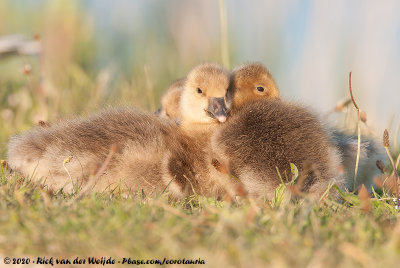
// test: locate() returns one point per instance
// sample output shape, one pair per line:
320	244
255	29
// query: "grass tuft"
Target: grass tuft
394	174
358	133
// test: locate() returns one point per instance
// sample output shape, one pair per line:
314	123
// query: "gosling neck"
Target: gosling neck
195	129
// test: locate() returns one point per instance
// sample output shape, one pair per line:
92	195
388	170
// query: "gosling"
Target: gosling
153	153
263	137
253	82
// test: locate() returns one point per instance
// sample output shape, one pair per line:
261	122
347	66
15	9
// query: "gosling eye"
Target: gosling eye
199	91
260	89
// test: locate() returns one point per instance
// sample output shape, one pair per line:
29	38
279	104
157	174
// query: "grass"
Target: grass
248	233
36	222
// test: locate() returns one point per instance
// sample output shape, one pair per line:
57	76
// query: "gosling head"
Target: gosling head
203	99
170	101
251	82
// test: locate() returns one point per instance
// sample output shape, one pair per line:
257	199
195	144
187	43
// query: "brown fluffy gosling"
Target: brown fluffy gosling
263	137
153	153
253	81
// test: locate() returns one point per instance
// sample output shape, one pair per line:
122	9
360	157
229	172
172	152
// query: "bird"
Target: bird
253	81
263	137
370	153
170	101
153	153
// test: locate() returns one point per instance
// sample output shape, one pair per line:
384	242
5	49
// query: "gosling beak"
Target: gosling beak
217	109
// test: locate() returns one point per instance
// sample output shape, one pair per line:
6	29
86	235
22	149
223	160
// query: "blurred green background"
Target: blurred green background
74	57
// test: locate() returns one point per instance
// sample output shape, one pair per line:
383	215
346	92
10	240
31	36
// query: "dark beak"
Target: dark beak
217	109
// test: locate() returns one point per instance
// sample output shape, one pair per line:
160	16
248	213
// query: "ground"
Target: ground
36	222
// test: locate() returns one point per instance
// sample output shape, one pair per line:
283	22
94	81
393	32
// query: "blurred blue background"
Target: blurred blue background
309	46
